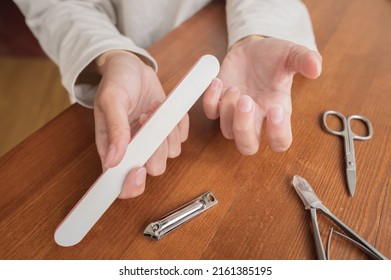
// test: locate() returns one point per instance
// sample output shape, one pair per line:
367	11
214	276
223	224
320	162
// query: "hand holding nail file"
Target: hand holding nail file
144	143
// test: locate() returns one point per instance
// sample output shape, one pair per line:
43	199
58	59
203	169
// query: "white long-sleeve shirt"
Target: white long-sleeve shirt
75	32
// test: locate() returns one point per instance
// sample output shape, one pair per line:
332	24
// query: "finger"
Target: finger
174	143
278	132
227	109
154	105
183	126
305	61
142	119
145	116
100	135
156	165
245	127
211	98
134	184
112	124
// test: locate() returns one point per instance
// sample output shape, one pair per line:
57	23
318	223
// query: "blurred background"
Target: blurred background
31	93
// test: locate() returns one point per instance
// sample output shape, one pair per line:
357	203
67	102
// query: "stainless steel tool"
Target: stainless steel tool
313	203
348	136
179	216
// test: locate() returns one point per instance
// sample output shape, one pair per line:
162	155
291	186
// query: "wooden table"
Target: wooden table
259	215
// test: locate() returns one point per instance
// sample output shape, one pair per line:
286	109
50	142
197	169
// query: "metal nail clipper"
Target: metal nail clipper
179	216
313	203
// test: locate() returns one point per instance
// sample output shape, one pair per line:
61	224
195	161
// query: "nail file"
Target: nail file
144	143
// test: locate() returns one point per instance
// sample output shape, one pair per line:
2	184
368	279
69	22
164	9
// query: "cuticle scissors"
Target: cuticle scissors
349	136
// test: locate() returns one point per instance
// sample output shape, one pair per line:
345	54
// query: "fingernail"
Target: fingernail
319	65
276	114
143	118
110	155
245	104
140	177
216	84
155	104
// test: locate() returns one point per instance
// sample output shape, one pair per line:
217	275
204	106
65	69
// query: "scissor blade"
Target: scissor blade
351	177
306	193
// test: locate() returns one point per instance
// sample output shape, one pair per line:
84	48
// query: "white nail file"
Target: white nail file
108	186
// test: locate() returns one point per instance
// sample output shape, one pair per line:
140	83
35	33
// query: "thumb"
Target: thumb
118	133
305	61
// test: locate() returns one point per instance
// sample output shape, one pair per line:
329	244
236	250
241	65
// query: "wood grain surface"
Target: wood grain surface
259	215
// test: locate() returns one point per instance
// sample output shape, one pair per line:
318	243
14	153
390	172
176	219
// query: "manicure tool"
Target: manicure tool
157	230
348	136
145	142
313	203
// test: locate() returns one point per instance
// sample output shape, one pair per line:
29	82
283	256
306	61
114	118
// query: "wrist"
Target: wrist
247	39
101	59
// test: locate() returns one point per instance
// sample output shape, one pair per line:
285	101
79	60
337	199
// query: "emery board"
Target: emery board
144	143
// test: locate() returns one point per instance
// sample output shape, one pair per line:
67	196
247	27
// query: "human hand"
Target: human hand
254	83
128	93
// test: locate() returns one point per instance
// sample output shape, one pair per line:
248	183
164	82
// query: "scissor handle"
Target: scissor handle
338	115
346	129
367	123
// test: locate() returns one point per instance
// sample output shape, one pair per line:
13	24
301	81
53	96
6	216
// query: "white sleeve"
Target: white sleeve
73	34
282	19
